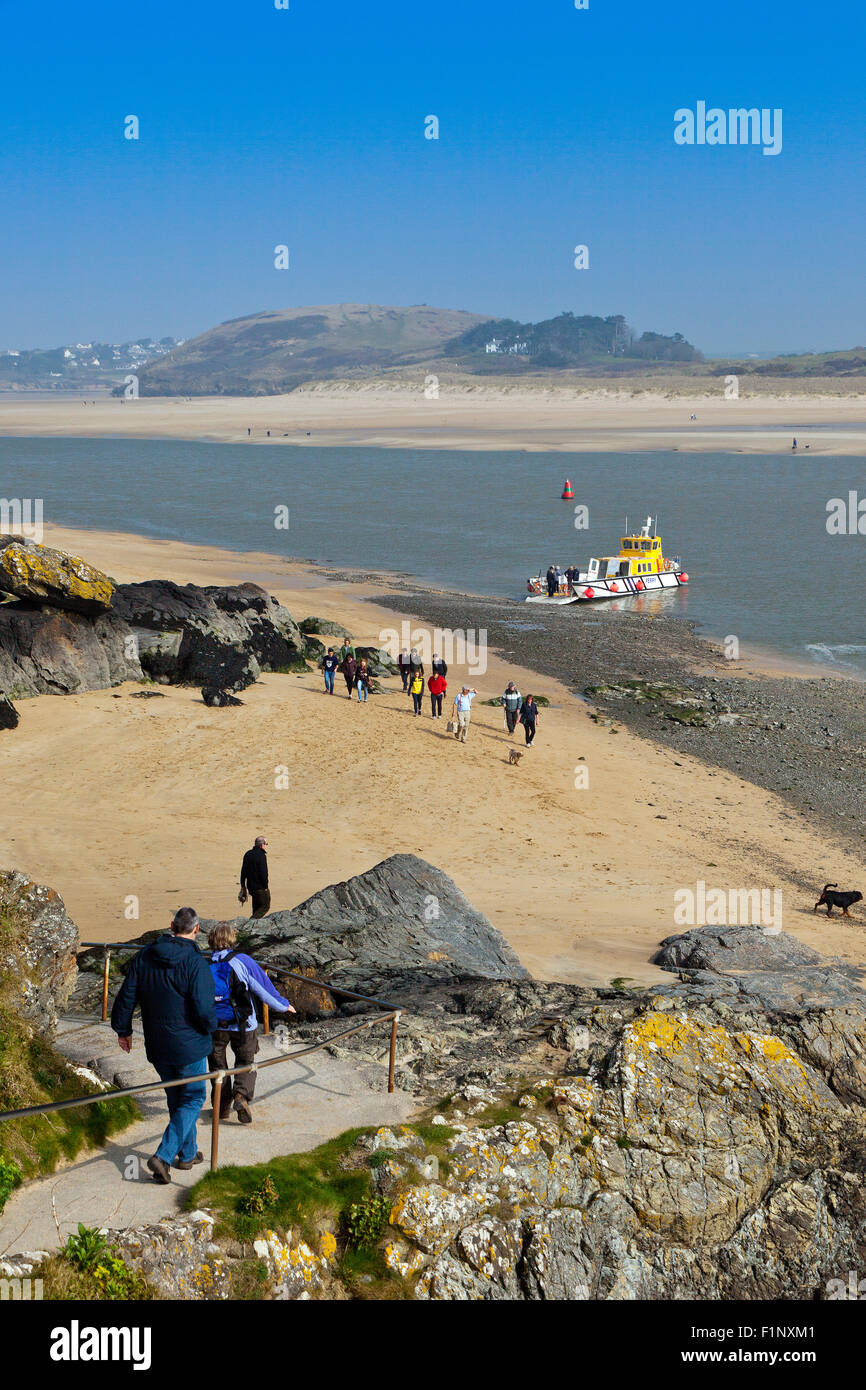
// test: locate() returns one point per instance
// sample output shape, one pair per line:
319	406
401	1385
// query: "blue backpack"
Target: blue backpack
233	1000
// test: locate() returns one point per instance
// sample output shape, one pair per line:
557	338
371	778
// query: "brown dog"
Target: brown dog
831	900
514	755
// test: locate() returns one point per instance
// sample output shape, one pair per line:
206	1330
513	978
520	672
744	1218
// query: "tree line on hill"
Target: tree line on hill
567	340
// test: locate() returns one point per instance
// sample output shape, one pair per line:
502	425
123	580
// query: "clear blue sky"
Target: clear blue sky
306	127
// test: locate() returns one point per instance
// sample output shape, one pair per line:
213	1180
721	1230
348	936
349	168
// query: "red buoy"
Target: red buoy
638	583
589	593
567	494
684	579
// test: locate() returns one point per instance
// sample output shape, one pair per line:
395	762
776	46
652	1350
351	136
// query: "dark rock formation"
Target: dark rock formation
378	660
42	575
46	651
220	637
37	944
402	922
324	627
219	697
8	714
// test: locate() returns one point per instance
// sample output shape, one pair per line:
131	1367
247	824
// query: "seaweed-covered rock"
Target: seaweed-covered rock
8	714
46	651
219	636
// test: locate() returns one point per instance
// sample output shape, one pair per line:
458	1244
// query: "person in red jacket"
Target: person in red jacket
437	686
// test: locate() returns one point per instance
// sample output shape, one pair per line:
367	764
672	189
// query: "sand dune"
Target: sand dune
108	797
472	414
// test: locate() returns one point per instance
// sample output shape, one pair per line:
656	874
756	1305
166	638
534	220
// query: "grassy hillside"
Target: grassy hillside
269	353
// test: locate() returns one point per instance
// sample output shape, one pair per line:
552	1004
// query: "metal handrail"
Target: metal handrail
392	1015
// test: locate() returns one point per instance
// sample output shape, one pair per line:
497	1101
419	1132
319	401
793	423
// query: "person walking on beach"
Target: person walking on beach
416	665
346	650
362	680
529	718
438	666
329	664
403	667
349	667
437	685
236	978
172	985
551	581
462	710
254	878
511	702
416	690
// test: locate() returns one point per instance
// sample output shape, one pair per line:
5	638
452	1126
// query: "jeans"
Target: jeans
529	730
329	682
511	719
184	1104
361	687
404	672
436	705
416	701
244	1045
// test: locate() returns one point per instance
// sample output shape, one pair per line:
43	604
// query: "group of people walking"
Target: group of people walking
518	709
356	673
192	1010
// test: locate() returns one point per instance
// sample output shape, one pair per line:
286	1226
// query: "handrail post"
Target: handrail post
266	1013
392	1053
105	967
215	1122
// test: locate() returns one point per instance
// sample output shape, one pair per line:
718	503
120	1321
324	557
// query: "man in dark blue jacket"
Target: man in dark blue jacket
171	982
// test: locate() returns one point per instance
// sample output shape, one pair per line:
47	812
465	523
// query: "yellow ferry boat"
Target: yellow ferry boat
640	567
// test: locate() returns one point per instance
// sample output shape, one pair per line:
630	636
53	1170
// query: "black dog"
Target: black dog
831	900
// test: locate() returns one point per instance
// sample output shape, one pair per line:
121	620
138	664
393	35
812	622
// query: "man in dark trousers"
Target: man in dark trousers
552	582
172	984
254	878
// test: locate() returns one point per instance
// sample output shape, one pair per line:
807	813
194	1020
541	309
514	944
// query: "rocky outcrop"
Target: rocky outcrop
47	651
9	716
177	1256
219	637
37	946
218	698
324	627
41	575
402	922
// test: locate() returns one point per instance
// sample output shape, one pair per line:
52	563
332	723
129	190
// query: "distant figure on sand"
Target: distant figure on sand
529	718
438	666
403	667
329	664
416	665
793	446
462	710
362	680
437	685
349	668
346	650
254	878
236	978
170	982
511	702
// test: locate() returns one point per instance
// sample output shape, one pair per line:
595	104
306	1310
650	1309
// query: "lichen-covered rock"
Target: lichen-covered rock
42	940
177	1256
295	1270
431	1215
42	575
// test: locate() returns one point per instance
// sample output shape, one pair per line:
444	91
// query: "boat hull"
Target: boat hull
592	590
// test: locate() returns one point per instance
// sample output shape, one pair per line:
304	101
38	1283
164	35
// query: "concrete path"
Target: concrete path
298	1106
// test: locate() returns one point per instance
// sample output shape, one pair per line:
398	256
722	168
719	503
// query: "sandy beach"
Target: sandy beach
472	414
157	799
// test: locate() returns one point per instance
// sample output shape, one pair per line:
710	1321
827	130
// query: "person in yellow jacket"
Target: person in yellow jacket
416	689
